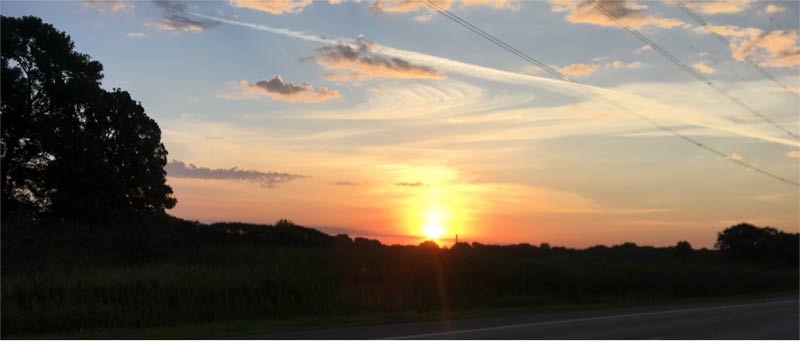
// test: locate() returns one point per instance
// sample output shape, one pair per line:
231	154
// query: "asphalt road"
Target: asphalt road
752	319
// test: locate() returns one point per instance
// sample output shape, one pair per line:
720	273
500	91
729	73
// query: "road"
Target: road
752	319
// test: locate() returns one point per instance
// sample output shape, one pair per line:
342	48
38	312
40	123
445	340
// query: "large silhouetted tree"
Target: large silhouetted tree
745	242
70	149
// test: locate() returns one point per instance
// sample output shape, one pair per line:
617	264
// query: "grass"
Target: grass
248	327
176	281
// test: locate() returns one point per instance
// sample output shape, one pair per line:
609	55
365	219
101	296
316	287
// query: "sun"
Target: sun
433	230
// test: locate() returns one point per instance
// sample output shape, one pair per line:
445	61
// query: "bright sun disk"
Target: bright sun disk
433	230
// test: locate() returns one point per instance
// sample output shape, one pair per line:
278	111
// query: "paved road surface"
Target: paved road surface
752	319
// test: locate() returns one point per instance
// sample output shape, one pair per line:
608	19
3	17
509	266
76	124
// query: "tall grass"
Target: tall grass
60	280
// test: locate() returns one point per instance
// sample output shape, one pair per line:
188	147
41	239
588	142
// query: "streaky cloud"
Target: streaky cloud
179	169
653	108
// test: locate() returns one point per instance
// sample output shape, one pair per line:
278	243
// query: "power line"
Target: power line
779	26
592	92
691	70
727	43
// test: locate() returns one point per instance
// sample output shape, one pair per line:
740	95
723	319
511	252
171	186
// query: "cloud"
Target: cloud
627	12
136	35
409	184
704	68
362	62
272	6
406	6
793	89
288	92
178	169
345	183
795	154
775	49
771	49
105	6
775	9
176	18
496	4
735	156
618	64
579	70
652	102
719	6
354	78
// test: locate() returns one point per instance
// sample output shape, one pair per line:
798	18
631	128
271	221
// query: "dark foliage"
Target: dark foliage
70	149
745	242
154	270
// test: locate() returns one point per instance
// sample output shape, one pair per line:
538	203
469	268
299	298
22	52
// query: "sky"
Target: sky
386	119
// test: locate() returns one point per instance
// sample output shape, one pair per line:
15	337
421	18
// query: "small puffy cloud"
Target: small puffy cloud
735	156
627	12
643	49
176	18
360	58
795	154
272	6
579	70
409	184
179	169
288	92
106	6
618	64
704	68
719	6
775	9
136	35
772	49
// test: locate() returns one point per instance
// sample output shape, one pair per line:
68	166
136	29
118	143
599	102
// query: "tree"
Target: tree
745	242
70	149
683	250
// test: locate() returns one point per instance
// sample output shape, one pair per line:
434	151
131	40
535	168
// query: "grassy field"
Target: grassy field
162	276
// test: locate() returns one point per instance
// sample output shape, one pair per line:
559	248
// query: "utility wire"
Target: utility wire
763	7
446	13
727	43
691	70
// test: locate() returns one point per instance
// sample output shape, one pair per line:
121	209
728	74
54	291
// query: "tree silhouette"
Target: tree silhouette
745	242
70	149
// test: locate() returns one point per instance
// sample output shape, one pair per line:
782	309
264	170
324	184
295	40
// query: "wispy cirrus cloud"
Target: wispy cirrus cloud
417	6
626	11
284	91
106	6
655	106
272	6
409	184
179	169
360	62
175	17
719	6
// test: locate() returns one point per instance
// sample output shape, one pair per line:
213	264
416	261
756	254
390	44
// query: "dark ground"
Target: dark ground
751	319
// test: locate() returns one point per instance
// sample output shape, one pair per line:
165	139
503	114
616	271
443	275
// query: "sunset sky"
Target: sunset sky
383	118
